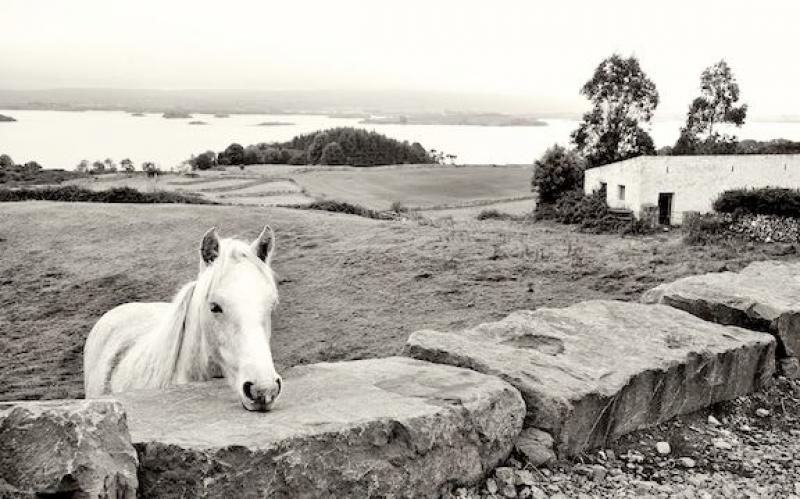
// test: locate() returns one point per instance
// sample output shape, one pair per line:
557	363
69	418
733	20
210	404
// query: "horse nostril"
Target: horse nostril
278	382
246	389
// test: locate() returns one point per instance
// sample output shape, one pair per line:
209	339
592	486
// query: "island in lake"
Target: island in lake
4	118
468	119
275	123
198	123
175	115
222	115
137	115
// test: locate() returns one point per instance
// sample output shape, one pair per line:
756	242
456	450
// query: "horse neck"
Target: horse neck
177	351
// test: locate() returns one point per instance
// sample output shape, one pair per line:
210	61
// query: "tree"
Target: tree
6	163
557	172
98	167
332	154
716	104
623	97
232	155
204	161
83	166
150	168
314	151
31	167
127	165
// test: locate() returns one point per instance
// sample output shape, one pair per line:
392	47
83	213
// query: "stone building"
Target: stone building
663	188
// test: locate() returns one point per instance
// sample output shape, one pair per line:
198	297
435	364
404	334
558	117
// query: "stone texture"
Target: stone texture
764	296
76	448
536	445
393	427
599	369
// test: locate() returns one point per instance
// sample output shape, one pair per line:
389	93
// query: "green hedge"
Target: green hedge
117	195
764	201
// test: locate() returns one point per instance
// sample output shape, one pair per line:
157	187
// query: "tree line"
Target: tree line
335	146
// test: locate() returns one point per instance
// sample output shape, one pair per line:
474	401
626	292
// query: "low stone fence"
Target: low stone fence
551	383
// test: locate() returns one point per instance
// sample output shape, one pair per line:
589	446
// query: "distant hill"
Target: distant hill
4	118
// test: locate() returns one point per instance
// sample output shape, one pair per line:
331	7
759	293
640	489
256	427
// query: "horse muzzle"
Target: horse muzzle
260	397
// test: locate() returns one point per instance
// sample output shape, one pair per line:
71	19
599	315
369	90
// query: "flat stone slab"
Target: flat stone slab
66	448
594	371
764	296
394	427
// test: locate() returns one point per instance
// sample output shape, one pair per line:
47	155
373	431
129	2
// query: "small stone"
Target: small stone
612	456
537	493
504	477
663	448
762	413
790	367
491	486
525	477
598	473
713	421
687	462
745	428
722	444
509	491
536	445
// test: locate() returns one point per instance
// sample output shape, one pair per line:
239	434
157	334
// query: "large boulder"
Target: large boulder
66	448
394	427
764	296
599	369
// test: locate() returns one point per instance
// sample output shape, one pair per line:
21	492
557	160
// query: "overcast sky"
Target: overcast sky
528	48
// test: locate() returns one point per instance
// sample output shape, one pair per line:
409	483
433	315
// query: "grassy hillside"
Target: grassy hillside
350	287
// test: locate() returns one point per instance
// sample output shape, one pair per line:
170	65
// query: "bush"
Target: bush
702	229
116	195
556	173
344	207
593	215
764	201
493	214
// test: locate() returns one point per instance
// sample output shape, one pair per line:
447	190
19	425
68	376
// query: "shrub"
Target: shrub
701	229
344	207
493	214
593	215
117	195
764	201
557	172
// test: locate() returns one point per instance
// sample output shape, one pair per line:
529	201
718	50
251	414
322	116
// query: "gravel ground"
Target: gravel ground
746	448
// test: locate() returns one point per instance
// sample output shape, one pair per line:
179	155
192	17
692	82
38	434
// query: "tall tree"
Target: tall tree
623	98
719	93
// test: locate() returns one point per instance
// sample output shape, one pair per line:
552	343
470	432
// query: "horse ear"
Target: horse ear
264	245
209	249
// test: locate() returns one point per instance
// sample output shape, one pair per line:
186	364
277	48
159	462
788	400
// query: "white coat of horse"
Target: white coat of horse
218	324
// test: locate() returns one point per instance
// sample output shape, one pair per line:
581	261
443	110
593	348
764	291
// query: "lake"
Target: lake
61	139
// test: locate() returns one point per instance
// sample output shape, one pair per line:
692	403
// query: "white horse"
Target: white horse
219	324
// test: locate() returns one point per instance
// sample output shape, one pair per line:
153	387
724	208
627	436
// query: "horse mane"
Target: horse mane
177	347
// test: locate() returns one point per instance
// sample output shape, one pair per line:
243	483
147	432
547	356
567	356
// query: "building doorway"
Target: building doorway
665	208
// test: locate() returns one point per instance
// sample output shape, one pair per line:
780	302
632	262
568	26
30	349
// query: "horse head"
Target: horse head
235	314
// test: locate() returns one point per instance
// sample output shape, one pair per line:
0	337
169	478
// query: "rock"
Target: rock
687	462
764	296
762	413
594	371
722	444
66	448
713	421
537	493
663	448
381	427
504	477
536	446
789	367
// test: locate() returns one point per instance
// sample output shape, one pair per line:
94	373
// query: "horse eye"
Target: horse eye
215	308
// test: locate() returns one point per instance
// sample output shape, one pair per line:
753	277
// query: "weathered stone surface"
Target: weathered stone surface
536	445
77	448
599	369
393	427
764	296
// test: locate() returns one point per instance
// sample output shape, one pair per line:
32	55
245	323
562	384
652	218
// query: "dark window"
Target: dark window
621	190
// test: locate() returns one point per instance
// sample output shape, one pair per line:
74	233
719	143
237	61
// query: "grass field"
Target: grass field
416	186
350	287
